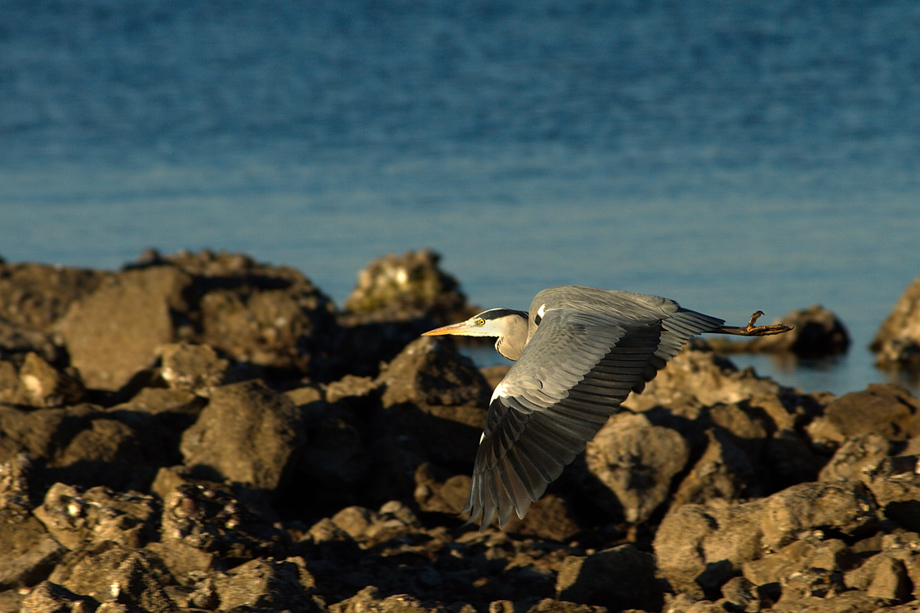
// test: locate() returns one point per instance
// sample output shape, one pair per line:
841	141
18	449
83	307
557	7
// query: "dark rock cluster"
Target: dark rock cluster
201	432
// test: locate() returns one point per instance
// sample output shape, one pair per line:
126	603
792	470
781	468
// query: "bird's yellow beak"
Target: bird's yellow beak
459	328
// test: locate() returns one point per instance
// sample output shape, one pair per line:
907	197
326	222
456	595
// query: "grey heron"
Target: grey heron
577	354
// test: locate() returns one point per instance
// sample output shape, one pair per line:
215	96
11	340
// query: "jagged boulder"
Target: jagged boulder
897	342
248	434
114	332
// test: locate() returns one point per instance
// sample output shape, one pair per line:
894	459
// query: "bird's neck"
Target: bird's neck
512	343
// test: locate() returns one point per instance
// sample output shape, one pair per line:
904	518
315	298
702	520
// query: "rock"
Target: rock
85	445
338	458
102	450
28	552
16	488
618	578
369	527
37	295
354	521
276	328
739	594
810	583
163	414
267	584
133	578
846	602
434	495
195	368
854	454
636	461
36	383
791	459
803	569
395	300
553	517
816	332
430	377
845	507
33	433
889	579
774	568
723	472
213	521
551	605
432	409
271	317
264	316
412	282
696	378
248	434
50	597
9	383
370	599
897	342
895	485
19	340
114	332
351	387
885	409
30	567
43	385
698	548
76	518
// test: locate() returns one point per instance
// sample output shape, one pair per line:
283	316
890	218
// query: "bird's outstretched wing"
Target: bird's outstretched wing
574	373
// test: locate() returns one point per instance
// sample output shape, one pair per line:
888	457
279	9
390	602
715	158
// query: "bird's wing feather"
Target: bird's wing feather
573	374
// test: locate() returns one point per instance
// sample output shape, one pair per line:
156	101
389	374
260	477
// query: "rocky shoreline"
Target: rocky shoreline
201	432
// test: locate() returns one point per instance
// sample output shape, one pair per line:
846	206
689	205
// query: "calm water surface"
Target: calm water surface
733	156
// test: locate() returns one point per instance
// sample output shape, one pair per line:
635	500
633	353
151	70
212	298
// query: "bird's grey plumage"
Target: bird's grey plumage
580	354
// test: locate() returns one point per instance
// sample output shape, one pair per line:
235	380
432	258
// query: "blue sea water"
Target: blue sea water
733	156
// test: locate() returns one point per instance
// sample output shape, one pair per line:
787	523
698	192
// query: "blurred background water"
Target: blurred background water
733	156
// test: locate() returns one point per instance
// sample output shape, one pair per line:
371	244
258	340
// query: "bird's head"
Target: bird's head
494	322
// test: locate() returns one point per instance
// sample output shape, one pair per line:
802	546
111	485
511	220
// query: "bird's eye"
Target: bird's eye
480	321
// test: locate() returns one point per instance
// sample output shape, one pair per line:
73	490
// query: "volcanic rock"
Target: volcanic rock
895	485
618	578
53	598
114	332
636	461
413	283
112	574
76	518
888	410
843	507
196	368
19	340
29	553
698	549
247	433
37	295
897	342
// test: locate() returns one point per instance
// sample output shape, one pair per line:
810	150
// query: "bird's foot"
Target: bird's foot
753	330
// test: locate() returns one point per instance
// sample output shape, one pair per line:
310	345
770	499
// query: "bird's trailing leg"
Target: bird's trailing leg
752	330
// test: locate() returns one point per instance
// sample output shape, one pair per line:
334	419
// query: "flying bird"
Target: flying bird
577	354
